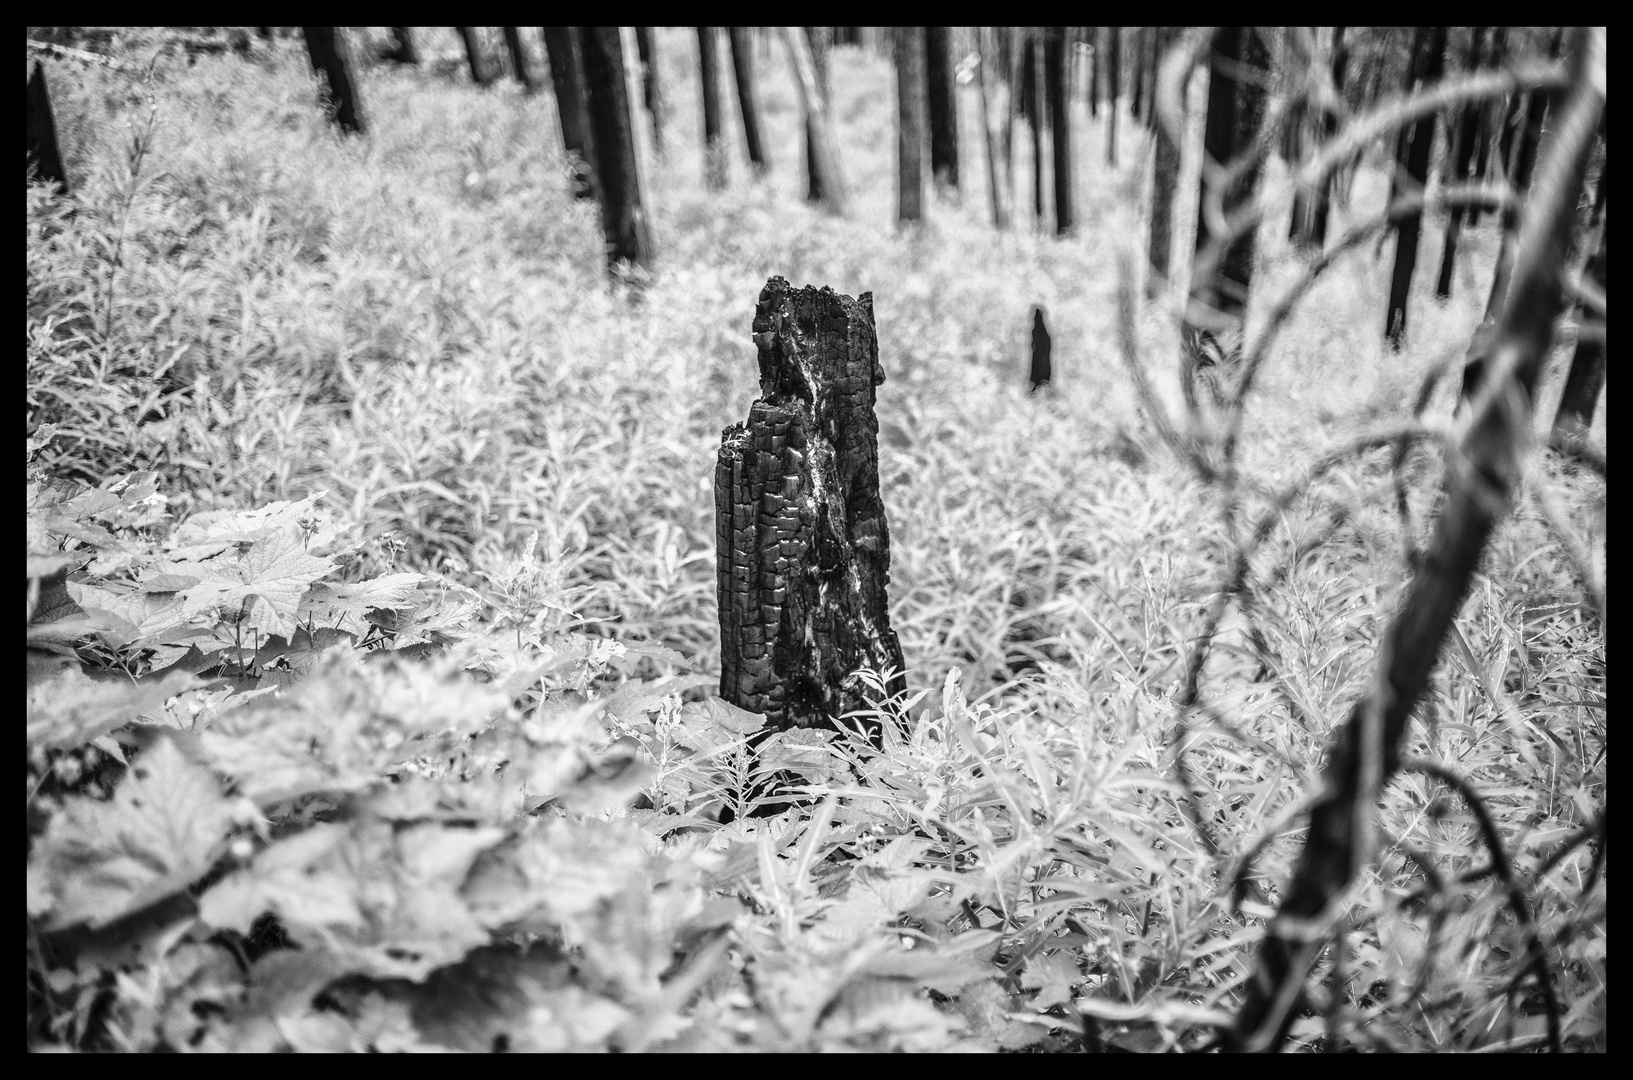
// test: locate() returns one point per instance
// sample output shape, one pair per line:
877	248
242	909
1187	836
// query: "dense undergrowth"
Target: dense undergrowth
371	585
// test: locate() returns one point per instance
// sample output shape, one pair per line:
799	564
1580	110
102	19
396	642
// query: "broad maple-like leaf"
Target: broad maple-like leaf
345	606
69	708
158	834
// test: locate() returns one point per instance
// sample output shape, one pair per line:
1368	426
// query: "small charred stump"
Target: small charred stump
803	546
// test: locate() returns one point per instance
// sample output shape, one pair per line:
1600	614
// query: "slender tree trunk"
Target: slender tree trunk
816	41
1136	78
1235	112
331	57
1094	70
518	59
943	106
1468	128
1428	51
1298	122
742	64
1522	164
716	160
1038	99
1323	201
401	50
651	85
1061	114
44	155
1485	151
1013	58
1114	63
1164	183
994	114
480	74
623	217
562	47
909	124
822	149
1586	379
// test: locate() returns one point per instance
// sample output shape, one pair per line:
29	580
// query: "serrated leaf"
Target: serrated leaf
262	587
217	527
68	708
345	606
157	835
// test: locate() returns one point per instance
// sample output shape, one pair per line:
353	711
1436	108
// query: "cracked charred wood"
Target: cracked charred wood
803	555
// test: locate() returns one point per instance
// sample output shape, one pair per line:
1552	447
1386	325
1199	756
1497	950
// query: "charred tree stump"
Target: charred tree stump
803	555
44	158
1042	368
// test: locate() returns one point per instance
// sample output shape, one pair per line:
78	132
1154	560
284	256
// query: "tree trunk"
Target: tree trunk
651	85
1235	112
1061	114
803	546
822	148
1094	69
473	53
1297	123
1136	77
742	64
909	124
943	105
1114	63
1524	161
816	41
1468	129
518	59
401	50
1033	105
1323	200
1042	348
331	57
994	115
1482	474
563	48
1489	112
44	156
1586	378
1429	47
1164	183
606	94
716	163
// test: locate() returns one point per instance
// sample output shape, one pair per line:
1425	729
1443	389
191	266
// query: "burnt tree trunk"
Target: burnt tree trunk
651	84
1430	47
715	160
995	117
1521	164
1489	113
1094	69
1114	63
518	58
1032	108
401	50
742	66
1136	77
1042	348
480	74
943	105
816	42
1468	133
561	45
1061	115
618	180
909	124
803	547
1586	378
1323	198
326	45
44	156
1164	184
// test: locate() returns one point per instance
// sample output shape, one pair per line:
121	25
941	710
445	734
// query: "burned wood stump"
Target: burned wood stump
803	554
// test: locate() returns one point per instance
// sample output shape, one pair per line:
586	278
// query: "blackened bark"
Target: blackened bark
623	218
1485	151
1468	133
518	58
942	97
742	65
480	74
909	124
1032	108
44	156
716	162
1042	348
1235	111
401	50
1164	183
803	546
825	181
1522	164
1429	49
651	84
561	46
1136	77
1095	68
1586	378
331	58
1061	115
